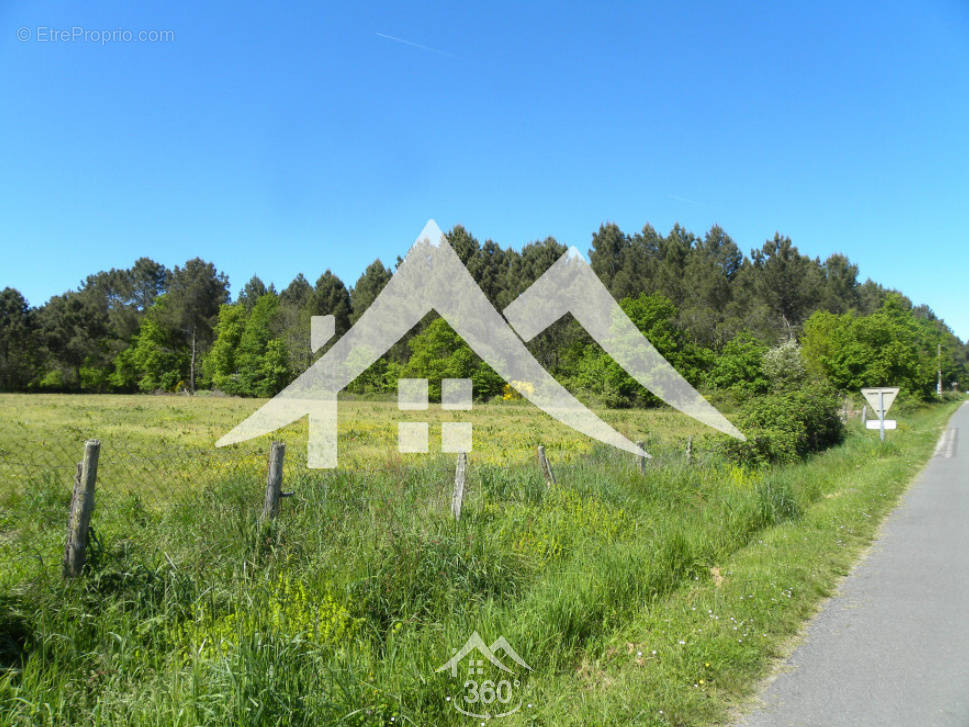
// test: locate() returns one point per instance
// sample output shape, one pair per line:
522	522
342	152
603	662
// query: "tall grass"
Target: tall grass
340	611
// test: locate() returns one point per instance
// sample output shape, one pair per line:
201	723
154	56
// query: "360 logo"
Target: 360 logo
491	688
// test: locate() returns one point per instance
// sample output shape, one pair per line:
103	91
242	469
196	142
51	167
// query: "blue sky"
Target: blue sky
278	140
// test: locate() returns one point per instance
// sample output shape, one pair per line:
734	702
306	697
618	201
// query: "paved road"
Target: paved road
892	647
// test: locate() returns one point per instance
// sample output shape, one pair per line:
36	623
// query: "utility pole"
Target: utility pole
938	386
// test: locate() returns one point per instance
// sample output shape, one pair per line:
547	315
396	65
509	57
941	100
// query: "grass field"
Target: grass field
50	430
654	599
161	446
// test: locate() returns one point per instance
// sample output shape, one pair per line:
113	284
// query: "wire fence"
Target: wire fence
162	470
132	474
156	473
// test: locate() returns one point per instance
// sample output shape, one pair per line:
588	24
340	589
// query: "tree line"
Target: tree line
722	318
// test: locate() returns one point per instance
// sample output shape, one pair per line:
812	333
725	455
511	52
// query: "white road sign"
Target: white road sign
879	397
877	424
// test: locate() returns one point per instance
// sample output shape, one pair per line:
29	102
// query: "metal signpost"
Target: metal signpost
881	400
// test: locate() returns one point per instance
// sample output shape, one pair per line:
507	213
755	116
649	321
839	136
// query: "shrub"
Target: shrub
783	365
53	381
739	367
597	373
787	426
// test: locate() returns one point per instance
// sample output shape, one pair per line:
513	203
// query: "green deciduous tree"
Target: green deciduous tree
655	316
886	348
219	364
248	358
262	363
157	359
738	368
439	353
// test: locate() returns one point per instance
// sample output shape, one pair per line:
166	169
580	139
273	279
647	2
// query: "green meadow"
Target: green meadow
656	598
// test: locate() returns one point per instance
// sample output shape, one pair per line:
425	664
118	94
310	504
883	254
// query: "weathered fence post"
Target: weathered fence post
546	467
457	499
641	458
274	481
689	450
82	503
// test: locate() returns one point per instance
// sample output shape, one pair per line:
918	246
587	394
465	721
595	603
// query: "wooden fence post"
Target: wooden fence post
457	499
689	450
82	504
274	481
546	467
641	458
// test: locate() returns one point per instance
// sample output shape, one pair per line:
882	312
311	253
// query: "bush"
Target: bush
53	381
739	367
783	365
598	374
787	426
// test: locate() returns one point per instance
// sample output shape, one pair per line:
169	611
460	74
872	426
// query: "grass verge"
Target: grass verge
698	656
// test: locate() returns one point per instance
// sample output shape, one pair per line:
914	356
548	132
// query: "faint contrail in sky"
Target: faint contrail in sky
415	45
684	199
